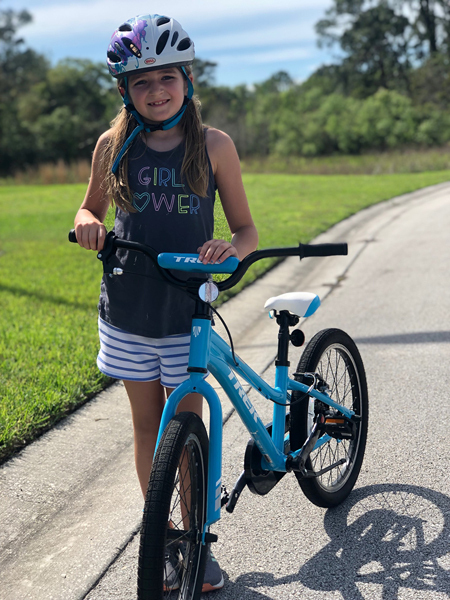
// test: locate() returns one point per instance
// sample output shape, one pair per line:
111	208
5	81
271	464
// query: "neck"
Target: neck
163	140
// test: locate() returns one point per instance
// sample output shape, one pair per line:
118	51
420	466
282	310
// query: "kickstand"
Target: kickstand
236	492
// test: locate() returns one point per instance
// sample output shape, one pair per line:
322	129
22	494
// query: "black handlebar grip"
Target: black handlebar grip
325	249
72	236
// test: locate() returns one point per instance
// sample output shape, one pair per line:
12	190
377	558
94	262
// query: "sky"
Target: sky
250	40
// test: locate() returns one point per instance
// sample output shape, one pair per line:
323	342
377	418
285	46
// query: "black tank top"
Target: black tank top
169	217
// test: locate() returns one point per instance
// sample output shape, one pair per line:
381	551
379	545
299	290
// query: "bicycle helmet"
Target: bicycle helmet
147	43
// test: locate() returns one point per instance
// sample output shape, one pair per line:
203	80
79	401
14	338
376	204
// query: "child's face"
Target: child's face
157	95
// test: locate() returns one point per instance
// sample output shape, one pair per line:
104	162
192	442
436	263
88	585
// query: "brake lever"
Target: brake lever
108	250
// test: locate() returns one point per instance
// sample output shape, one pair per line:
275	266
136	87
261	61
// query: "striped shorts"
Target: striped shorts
133	357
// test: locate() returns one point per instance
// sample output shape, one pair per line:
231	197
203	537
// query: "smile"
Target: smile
159	103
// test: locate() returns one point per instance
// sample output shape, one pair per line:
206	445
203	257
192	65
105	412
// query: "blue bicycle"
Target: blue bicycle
318	431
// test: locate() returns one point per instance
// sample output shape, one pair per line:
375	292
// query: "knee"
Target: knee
145	431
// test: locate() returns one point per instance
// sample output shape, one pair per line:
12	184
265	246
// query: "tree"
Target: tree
77	99
384	40
431	22
204	76
19	69
375	42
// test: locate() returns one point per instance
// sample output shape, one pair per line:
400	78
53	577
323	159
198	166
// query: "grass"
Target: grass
49	288
374	163
407	160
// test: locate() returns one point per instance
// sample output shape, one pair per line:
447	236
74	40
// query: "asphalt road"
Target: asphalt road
69	504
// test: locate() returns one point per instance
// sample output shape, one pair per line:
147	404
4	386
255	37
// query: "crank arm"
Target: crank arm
310	474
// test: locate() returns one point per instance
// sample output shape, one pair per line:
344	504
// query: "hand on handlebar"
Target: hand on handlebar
175	261
216	251
91	234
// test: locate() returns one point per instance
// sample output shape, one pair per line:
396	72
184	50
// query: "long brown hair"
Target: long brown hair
195	167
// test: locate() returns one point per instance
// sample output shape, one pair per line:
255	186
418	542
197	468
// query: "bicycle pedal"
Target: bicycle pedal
339	428
225	497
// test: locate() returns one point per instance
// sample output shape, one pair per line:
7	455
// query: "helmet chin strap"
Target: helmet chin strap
164	125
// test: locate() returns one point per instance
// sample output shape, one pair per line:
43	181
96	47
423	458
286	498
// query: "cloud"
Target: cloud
101	17
267	57
295	31
249	33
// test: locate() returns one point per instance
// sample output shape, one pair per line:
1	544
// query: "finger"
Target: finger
101	238
93	238
227	253
214	250
221	252
205	251
82	237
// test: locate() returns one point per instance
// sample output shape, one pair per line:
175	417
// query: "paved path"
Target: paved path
69	503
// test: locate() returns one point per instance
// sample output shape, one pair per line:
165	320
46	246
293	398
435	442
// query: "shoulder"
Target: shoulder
105	138
220	147
102	145
218	141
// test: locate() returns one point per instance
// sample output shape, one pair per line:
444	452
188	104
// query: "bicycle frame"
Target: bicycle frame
209	351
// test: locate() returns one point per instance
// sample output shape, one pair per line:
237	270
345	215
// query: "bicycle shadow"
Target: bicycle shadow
384	539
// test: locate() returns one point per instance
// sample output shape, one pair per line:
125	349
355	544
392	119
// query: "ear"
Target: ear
121	91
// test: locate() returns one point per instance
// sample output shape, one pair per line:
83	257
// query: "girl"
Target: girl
160	168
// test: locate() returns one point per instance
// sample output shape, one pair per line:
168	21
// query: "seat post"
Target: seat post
285	319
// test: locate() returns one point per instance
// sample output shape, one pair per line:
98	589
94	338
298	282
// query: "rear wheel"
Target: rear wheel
171	555
333	355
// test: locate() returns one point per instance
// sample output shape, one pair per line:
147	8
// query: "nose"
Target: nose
154	87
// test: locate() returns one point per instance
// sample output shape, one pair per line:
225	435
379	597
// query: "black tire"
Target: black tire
334	356
181	461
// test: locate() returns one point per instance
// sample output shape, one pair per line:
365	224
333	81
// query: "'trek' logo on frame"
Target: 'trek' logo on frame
187	259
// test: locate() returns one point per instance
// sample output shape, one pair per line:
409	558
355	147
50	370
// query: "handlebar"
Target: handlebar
190	262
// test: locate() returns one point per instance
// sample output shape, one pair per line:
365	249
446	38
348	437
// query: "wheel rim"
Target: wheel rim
337	367
186	514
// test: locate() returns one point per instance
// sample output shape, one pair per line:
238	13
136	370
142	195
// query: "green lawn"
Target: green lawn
49	288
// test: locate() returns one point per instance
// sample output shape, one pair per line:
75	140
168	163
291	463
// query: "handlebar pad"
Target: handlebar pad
190	262
72	236
324	250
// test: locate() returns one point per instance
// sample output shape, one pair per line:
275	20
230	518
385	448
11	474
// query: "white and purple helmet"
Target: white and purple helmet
148	42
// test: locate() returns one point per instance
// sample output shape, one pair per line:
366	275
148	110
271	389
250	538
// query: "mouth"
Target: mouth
159	103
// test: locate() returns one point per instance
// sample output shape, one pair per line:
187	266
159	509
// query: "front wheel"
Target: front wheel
333	355
171	554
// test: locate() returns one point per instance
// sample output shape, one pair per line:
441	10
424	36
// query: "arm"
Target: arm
227	172
89	227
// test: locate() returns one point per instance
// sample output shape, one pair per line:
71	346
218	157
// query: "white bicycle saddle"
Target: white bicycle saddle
302	304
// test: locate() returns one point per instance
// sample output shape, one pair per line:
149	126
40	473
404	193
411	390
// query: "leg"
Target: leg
190	403
147	400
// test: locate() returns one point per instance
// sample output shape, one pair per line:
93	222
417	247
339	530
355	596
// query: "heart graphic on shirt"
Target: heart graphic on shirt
140	201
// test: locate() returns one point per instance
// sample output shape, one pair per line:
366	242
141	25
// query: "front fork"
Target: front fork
198	359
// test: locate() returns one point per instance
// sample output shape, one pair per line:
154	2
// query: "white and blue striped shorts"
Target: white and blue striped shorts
133	357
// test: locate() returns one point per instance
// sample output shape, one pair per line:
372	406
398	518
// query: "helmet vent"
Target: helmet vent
119	48
162	41
131	47
184	44
162	21
113	57
125	27
174	39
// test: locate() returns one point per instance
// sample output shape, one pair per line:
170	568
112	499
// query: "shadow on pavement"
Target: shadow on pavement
384	539
418	337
